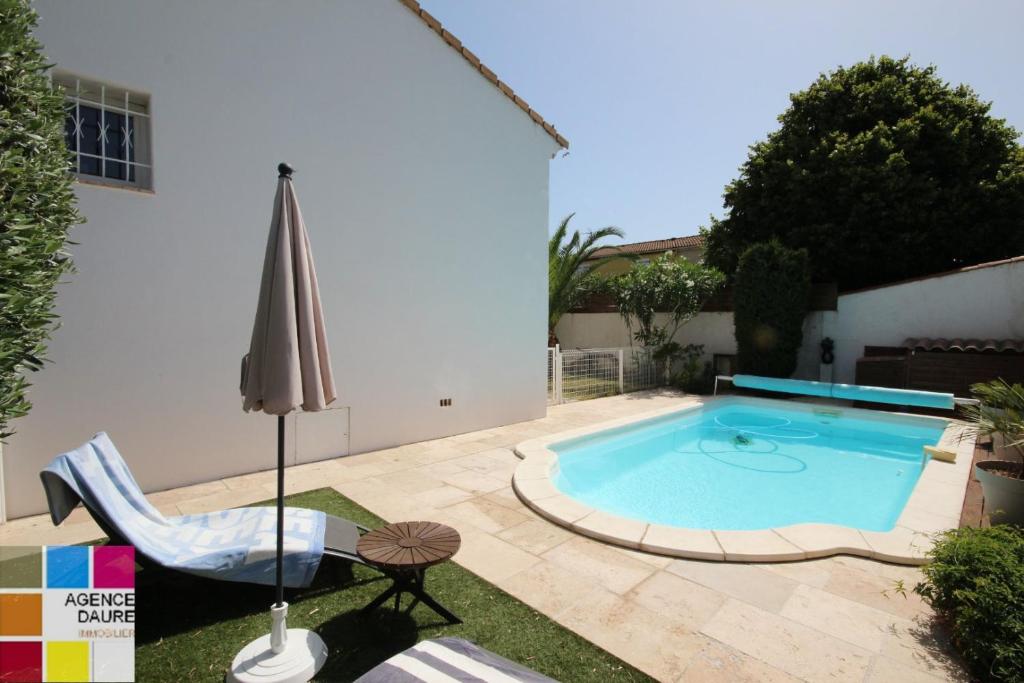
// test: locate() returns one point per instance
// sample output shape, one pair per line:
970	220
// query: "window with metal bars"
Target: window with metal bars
107	131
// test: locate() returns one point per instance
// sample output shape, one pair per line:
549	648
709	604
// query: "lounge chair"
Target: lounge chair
232	545
449	659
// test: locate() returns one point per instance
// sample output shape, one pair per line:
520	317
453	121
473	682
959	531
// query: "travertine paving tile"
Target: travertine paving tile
757	546
919	644
222	501
676	599
615	571
634	633
486	515
653	559
536	535
186	493
549	588
745	582
719	663
509	499
606	527
443	496
851	621
787	645
811	572
898	544
242	481
492	558
885	670
414	480
876	590
664	539
820	540
475	482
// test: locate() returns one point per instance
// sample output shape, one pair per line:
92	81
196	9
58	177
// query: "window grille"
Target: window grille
107	131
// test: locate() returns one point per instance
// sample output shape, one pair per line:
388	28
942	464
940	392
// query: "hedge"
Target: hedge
772	285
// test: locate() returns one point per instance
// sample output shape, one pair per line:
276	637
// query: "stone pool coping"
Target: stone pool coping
934	505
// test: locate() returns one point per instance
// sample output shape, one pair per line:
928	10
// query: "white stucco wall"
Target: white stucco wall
715	331
425	191
607	330
982	303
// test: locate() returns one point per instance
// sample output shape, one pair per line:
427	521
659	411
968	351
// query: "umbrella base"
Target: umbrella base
300	654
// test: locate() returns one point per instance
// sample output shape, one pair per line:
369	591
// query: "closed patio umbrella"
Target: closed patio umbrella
288	368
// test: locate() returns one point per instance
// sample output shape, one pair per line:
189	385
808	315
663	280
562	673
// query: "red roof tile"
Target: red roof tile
983	345
652	246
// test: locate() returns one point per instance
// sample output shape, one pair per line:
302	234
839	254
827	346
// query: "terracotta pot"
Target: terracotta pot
1004	497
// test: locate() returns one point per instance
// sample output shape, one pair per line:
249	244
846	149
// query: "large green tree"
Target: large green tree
570	282
37	205
882	171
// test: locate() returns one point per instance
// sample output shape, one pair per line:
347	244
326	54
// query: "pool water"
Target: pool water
752	464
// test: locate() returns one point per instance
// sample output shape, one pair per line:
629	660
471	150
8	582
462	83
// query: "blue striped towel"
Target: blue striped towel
231	545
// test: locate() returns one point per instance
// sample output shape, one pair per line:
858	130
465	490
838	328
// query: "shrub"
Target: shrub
976	581
37	205
673	286
668	284
772	285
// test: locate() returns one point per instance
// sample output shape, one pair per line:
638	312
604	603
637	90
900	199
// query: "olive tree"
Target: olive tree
37	205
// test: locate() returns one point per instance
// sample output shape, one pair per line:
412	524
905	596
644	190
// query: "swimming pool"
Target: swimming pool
742	464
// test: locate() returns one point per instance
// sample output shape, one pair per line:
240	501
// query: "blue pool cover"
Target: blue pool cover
852	392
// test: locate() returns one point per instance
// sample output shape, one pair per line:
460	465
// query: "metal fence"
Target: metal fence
581	374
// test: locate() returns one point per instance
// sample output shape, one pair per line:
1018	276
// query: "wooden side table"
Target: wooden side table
404	551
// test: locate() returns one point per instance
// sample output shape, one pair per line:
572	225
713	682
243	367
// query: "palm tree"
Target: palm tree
568	281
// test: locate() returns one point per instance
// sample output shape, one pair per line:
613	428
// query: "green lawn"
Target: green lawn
189	628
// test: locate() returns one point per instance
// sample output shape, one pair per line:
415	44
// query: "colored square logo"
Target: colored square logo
21	661
113	662
67	566
21	614
67	661
113	566
21	566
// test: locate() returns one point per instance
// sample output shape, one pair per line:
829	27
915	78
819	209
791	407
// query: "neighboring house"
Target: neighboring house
411	160
691	248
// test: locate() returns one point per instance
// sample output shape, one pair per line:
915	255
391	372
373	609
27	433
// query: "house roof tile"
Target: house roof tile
980	345
651	247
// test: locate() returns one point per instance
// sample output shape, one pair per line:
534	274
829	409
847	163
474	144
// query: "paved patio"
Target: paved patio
837	619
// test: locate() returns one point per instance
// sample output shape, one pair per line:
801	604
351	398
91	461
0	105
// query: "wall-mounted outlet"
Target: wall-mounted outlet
446	402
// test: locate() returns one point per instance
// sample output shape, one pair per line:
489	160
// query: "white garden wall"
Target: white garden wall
715	331
425	191
982	302
985	301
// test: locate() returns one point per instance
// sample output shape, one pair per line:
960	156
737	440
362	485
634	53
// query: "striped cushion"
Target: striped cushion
449	660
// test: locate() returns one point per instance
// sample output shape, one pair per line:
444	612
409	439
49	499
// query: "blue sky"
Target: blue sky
660	99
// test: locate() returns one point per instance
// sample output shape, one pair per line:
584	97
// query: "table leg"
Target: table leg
381	599
417	590
411	583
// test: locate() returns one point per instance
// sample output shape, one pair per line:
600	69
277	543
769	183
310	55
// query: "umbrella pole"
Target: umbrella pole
280	511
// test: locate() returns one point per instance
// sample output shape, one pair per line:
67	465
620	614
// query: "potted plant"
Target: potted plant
1000	414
